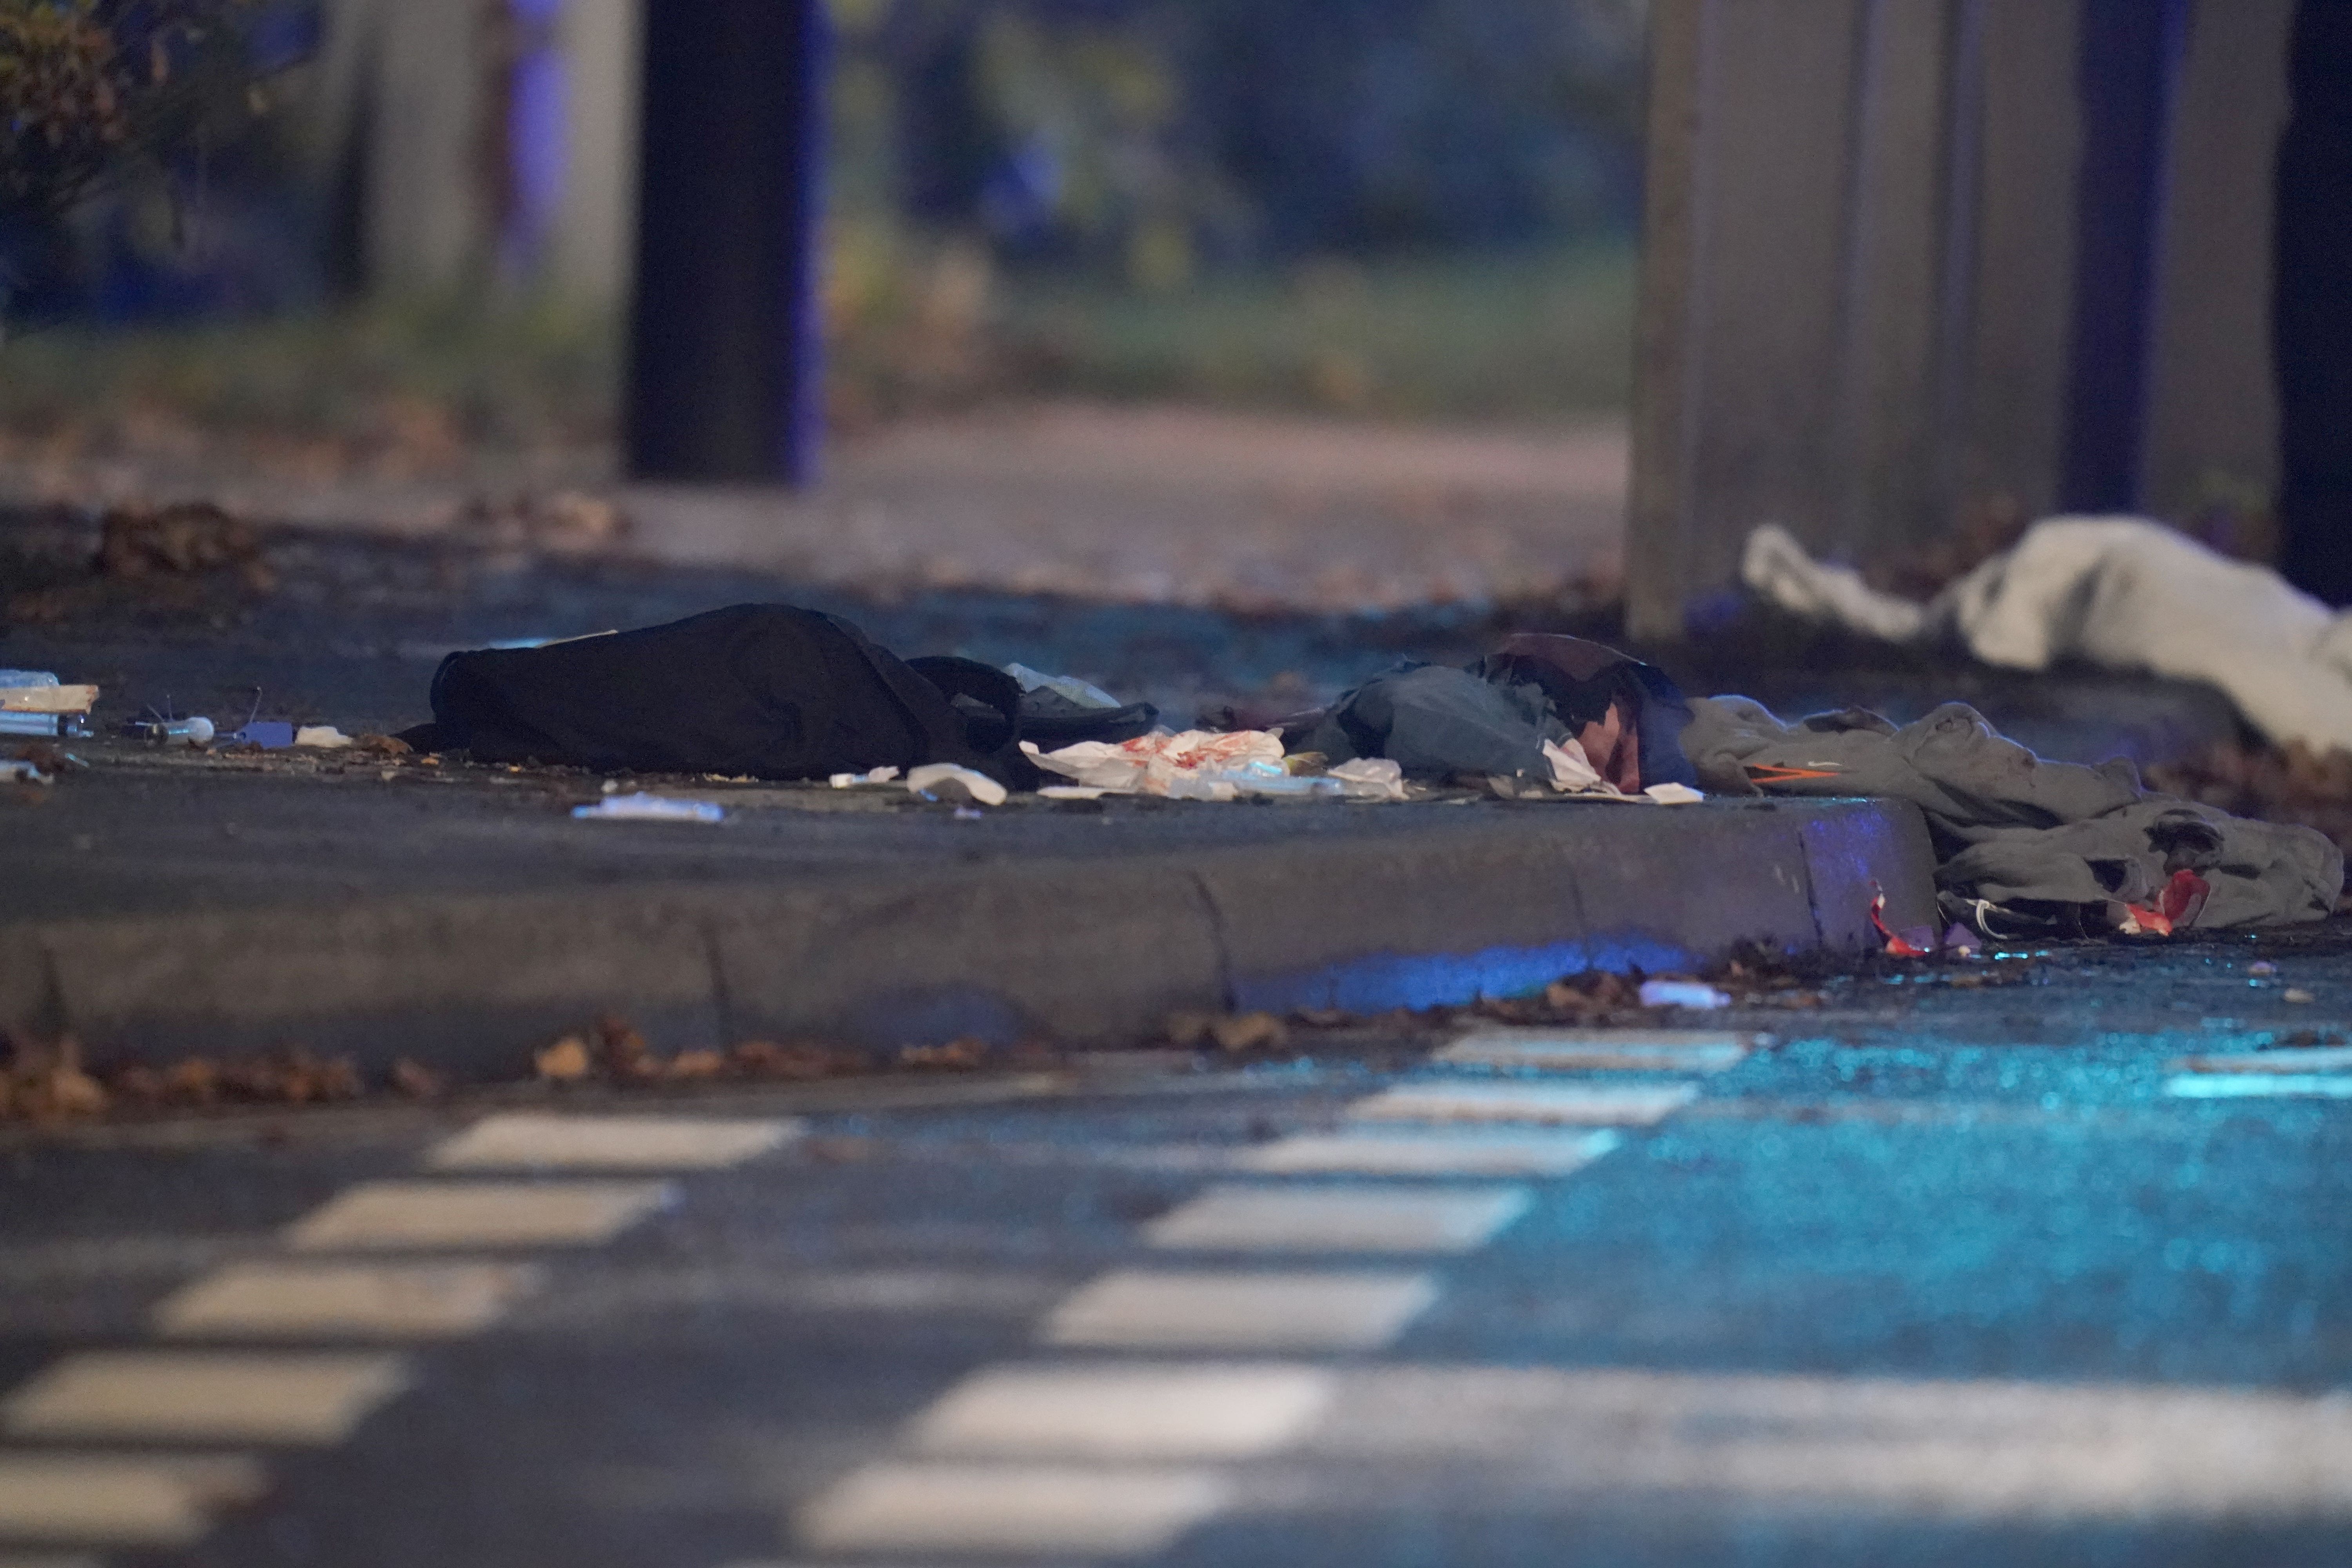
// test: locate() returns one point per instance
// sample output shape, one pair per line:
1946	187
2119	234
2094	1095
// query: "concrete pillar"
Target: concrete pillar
1742	288
2010	406
2213	430
1868	310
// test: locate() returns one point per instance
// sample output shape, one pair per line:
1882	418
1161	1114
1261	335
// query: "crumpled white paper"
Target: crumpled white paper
1370	778
940	781
1572	772
1196	765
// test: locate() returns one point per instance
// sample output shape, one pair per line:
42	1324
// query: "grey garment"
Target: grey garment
1433	720
2012	829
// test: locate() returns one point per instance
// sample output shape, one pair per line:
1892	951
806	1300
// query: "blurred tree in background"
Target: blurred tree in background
1395	208
99	95
1159	137
1401	206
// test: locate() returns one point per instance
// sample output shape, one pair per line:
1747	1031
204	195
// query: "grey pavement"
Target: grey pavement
1992	1264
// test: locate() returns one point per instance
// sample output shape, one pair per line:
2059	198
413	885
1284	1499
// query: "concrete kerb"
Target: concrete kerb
1082	949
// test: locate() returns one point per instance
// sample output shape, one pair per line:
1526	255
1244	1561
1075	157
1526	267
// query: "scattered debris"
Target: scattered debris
34	702
2296	994
1233	1032
565	1061
947	782
960	1054
871	777
47	1083
1369	778
324	737
196	732
1682	994
417	1082
2181	900
643	807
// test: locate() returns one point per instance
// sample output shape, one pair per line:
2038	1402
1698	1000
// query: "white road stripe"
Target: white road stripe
304	1397
1339	1219
610	1143
389	1216
2293	1059
1294	1311
356	1301
1600	1050
1429	1152
1028	1509
1760	1443
1565	1104
2260	1085
1125	1411
118	1499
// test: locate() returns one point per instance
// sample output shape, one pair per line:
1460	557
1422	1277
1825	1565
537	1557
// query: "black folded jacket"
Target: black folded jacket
765	691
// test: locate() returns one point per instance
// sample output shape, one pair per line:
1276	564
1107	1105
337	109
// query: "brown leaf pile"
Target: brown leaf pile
48	1082
614	1051
1233	1032
138	544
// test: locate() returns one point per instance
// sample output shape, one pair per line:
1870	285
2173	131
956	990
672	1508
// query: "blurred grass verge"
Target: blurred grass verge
422	389
410	390
1528	337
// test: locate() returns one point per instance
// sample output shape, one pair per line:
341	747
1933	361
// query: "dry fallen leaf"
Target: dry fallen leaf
1250	1031
1190	1029
963	1053
415	1080
564	1061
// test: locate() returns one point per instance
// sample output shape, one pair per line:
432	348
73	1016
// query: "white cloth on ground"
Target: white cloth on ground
2123	593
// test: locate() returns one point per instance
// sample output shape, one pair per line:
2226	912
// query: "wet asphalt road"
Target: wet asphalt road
1983	1273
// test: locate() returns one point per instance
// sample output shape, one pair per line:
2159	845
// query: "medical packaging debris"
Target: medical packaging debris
643	807
34	702
1069	688
871	777
18	771
946	781
322	736
1195	765
196	732
1682	994
269	734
